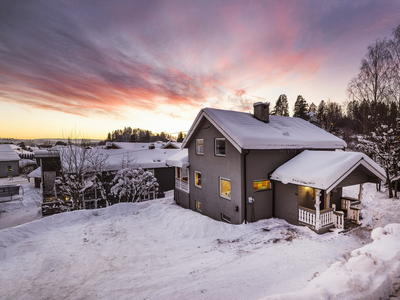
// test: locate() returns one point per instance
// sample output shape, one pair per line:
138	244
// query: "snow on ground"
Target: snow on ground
18	212
158	250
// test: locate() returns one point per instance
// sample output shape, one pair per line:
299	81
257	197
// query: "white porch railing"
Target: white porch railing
182	185
338	219
309	217
353	207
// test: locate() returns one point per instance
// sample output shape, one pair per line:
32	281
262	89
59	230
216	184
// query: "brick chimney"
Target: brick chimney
261	111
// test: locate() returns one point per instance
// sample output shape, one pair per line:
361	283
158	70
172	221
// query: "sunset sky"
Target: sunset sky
97	66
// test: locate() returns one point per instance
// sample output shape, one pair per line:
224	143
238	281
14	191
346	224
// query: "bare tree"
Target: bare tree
81	168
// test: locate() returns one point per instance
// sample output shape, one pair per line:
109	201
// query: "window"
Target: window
262	185
149	196
178	173
9	168
225	188
185	175
150	170
200	146
199	206
197	179
220	147
225	218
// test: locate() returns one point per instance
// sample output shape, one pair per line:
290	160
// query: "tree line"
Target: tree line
138	135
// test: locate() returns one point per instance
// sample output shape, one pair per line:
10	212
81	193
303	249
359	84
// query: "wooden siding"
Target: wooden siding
336	198
286	202
359	175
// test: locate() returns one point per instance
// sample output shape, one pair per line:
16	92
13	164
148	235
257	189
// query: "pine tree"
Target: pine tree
301	108
281	107
180	137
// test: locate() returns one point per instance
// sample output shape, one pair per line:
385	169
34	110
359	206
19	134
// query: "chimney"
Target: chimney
261	111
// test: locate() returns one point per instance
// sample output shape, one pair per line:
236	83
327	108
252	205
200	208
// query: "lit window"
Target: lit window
197	179
260	185
9	168
199	206
220	147
200	146
225	188
185	175
225	218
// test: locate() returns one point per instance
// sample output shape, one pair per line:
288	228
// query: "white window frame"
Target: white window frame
195	181
201	205
215	146
150	170
220	188
147	198
197	147
185	173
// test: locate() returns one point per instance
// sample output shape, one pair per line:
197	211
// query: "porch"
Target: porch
332	217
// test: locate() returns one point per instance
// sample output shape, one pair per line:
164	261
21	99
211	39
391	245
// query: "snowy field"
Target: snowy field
157	250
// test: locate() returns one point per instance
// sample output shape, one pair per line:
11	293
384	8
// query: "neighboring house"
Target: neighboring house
233	169
9	161
152	160
10	181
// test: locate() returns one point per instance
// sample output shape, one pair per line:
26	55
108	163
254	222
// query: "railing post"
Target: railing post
317	211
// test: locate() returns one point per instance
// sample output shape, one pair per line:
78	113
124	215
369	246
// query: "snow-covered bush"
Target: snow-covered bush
130	184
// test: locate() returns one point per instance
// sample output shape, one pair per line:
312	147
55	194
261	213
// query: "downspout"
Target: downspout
245	189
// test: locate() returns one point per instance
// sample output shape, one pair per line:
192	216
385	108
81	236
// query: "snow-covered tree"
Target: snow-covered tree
383	146
129	185
281	107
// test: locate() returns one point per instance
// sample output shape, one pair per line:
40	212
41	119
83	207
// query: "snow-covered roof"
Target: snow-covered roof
146	158
7	153
24	162
246	132
136	146
324	169
37	173
112	159
180	159
176	145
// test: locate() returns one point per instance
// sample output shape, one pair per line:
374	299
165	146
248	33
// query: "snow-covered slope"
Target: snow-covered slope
157	250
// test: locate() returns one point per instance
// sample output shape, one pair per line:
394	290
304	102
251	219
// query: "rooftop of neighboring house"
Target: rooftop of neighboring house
141	146
145	158
245	131
7	153
112	159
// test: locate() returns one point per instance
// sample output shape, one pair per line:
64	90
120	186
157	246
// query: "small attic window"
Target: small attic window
200	146
220	147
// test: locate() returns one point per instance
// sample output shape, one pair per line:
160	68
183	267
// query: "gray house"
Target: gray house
232	170
9	162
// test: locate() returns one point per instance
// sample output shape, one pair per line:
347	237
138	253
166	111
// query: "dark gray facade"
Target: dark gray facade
182	198
212	169
259	165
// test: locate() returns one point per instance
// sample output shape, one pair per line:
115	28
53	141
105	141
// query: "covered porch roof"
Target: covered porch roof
326	170
180	159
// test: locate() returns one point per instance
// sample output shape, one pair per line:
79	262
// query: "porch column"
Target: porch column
361	190
317	211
